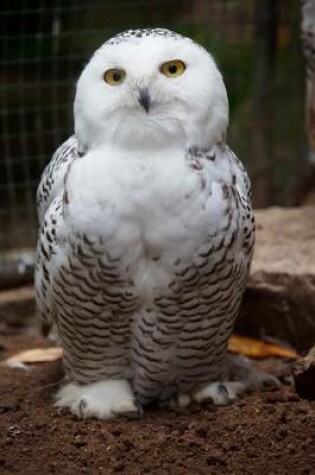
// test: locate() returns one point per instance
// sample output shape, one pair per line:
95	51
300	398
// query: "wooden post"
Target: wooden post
308	42
306	187
266	20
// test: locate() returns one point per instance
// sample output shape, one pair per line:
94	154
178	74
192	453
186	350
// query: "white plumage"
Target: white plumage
146	230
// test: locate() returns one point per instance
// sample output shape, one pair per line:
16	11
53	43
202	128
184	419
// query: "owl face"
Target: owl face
144	88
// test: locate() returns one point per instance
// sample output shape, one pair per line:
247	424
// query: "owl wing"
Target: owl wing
51	183
242	178
49	208
47	246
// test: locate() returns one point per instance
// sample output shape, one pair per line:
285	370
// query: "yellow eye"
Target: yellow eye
173	69
114	77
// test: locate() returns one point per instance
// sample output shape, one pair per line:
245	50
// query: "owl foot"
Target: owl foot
242	378
241	370
102	400
220	393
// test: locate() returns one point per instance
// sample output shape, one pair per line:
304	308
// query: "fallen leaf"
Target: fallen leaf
12	364
36	355
258	348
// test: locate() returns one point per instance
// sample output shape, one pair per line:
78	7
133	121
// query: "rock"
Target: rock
17	306
280	298
17	269
304	375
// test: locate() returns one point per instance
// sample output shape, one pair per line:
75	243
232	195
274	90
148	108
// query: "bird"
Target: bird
146	231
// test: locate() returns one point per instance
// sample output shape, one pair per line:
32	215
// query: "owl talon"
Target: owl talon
222	389
140	408
82	408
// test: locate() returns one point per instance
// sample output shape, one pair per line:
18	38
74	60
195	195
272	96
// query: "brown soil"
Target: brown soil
267	433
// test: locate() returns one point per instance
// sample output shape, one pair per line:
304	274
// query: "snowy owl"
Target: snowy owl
146	231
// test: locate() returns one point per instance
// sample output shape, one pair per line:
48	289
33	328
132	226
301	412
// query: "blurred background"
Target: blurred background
45	44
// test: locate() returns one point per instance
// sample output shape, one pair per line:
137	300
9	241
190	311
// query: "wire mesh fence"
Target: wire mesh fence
45	44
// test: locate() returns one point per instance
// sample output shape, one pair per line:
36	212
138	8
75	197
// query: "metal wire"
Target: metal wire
45	43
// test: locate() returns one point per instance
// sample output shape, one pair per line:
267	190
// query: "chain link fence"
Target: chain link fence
45	44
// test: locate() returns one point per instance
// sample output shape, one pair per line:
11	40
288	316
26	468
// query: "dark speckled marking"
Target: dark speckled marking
143	33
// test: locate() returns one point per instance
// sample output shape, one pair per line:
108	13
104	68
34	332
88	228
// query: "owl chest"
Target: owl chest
155	204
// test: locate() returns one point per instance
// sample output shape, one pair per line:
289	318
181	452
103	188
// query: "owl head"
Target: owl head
147	88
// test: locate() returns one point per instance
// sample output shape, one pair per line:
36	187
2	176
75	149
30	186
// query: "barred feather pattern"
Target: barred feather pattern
173	338
51	183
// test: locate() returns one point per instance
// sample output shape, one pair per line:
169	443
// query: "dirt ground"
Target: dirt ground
267	433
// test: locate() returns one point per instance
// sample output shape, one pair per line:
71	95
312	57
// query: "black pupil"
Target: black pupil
172	68
116	76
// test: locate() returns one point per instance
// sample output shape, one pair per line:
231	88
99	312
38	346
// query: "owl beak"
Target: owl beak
144	98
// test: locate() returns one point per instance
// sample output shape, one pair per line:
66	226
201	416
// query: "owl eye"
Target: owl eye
173	69
114	77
